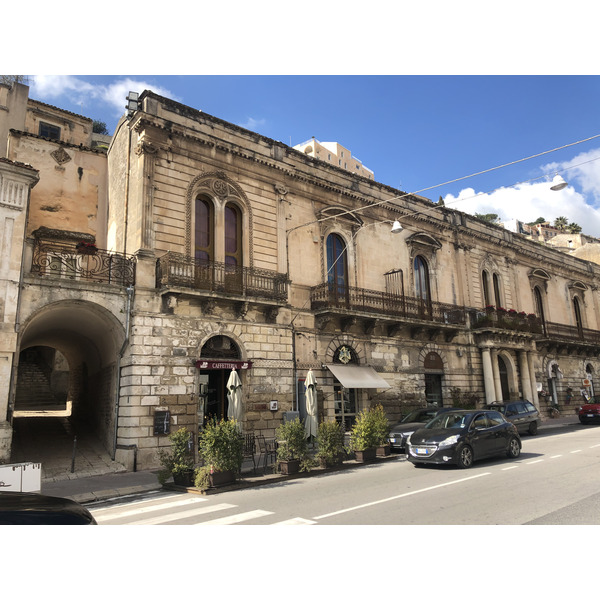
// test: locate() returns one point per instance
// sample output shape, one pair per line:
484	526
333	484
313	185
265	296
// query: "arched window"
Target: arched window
337	267
204	230
497	296
422	279
539	306
486	289
233	235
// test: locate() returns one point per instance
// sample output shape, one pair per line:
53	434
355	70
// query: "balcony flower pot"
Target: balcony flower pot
86	248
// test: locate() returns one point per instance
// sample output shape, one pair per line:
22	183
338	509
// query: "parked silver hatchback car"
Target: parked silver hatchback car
522	413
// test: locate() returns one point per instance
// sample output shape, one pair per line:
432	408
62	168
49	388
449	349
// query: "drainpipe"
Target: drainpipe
130	291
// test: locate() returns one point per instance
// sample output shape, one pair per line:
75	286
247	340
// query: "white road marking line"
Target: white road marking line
144	509
232	520
433	487
556	456
509	468
595	446
177	515
575	451
296	521
533	462
135	503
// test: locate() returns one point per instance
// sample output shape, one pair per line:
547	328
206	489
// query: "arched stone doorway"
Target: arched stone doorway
434	373
218	356
64	402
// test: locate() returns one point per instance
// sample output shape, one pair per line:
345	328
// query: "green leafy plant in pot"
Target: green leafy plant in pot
178	460
382	430
292	446
363	436
330	443
220	447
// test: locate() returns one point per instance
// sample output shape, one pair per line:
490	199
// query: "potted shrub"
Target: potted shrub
220	447
330	443
363	438
178	461
382	430
292	447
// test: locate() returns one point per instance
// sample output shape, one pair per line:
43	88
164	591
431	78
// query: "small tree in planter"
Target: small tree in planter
220	447
178	461
382	430
363	437
330	443
292	447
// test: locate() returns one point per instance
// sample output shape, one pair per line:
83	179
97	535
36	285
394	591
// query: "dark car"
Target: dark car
463	436
400	432
590	412
522	413
25	508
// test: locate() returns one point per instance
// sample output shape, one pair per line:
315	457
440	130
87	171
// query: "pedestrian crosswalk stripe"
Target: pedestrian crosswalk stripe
177	516
296	521
117	514
239	518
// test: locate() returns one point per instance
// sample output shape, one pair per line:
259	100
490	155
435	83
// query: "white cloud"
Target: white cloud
83	93
253	124
528	201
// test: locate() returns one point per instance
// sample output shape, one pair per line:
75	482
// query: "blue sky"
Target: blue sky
421	93
414	132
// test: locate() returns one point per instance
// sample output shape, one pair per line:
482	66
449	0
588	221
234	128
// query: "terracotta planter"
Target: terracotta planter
365	455
289	467
219	478
383	450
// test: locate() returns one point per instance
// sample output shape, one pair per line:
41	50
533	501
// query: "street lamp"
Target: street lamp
558	183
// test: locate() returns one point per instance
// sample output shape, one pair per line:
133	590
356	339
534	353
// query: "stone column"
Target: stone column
533	382
525	377
488	376
496	371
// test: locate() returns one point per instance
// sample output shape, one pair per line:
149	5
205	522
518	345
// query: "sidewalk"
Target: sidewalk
103	487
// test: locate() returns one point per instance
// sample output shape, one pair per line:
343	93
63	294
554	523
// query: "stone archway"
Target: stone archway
66	388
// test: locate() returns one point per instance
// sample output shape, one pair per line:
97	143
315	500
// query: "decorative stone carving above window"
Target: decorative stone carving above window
423	244
60	155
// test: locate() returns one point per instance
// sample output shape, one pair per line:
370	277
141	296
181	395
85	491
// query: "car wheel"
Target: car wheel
465	457
514	448
533	428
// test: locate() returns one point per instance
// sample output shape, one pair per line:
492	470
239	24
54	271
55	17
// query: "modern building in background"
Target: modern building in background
193	247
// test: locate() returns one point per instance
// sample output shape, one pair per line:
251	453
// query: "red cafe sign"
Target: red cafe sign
223	364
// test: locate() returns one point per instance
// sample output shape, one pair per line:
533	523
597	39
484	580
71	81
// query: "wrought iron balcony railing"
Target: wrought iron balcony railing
569	333
326	296
65	260
175	269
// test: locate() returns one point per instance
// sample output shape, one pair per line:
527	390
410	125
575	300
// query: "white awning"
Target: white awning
354	376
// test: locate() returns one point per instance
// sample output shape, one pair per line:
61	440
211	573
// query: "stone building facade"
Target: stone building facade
236	251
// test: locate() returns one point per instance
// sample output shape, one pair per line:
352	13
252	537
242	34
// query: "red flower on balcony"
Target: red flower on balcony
86	247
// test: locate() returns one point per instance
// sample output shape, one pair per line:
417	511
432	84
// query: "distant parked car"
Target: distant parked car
400	432
463	436
522	413
590	412
26	508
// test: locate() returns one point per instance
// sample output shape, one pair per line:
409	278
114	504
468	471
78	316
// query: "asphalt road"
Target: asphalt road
556	480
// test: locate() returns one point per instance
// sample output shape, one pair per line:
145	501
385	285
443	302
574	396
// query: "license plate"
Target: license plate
589	415
422	451
393	440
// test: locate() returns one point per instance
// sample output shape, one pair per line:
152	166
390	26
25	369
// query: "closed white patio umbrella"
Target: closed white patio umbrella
310	423
234	395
